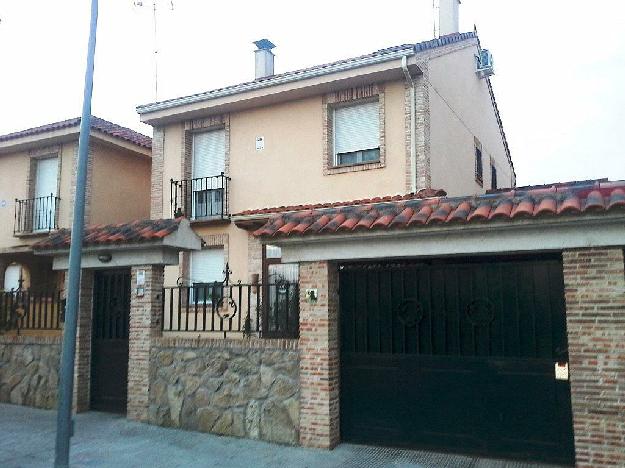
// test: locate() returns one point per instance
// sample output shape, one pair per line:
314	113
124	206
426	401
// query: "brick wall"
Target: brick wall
82	362
595	299
422	111
156	184
319	356
144	329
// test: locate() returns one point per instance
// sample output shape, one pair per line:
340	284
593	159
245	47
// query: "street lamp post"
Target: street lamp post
66	381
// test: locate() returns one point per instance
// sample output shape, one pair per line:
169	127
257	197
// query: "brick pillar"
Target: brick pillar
595	301
82	362
319	356
145	312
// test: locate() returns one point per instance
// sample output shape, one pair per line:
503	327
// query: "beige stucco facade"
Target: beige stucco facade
452	105
460	111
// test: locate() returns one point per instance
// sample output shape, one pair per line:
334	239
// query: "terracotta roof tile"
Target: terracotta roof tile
97	123
113	234
424	193
575	198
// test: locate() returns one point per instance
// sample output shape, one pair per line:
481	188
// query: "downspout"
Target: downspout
413	143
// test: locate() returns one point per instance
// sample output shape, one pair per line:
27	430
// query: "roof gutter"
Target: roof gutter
282	79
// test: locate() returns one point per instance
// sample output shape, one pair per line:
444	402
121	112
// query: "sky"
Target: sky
559	82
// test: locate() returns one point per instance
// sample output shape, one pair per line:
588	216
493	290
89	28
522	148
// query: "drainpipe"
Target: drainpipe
413	143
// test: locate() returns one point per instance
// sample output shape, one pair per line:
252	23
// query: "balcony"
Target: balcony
36	215
201	199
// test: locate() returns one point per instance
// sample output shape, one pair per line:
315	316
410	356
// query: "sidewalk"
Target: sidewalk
105	440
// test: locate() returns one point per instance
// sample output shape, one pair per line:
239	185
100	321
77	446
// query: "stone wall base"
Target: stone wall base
243	388
29	370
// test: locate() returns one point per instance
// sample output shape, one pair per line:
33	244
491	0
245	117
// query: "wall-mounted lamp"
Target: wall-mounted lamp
105	257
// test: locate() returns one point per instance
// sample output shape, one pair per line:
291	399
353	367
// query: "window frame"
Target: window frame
343	98
478	163
493	175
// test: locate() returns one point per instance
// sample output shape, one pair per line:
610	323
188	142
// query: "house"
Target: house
340	254
38	171
396	121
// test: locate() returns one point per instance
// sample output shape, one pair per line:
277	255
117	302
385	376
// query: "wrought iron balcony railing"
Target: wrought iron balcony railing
39	214
202	198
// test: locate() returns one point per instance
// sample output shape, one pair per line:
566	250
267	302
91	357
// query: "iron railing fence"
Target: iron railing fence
202	198
39	214
26	309
264	310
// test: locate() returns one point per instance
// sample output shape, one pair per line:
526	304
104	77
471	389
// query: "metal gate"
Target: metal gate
109	349
456	355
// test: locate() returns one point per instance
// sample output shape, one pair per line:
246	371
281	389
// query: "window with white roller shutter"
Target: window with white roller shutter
209	162
207	267
356	134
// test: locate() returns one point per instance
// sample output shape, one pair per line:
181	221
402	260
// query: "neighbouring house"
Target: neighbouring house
37	190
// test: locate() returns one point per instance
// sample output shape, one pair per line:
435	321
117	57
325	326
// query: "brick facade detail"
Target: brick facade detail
82	362
156	182
319	356
422	122
595	300
144	330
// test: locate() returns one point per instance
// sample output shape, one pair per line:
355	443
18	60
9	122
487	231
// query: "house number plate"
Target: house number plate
562	371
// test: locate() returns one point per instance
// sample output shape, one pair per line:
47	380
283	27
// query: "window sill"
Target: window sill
34	233
217	221
354	167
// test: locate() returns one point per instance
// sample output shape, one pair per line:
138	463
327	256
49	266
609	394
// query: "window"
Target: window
207	267
357	134
493	176
478	164
44	203
12	277
209	163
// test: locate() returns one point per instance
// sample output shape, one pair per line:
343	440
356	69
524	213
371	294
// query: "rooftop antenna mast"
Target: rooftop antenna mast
139	3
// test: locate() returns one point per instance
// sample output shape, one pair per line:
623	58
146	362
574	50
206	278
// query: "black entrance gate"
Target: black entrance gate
456	355
109	350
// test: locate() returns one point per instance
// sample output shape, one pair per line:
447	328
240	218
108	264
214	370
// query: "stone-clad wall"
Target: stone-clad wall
28	370
237	387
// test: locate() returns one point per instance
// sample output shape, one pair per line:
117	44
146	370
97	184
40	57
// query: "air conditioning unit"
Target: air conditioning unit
485	63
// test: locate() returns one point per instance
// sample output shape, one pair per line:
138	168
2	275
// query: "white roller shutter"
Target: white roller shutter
209	153
356	128
207	266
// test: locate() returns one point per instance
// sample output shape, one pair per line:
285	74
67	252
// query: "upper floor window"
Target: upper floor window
40	212
208	166
493	176
356	134
479	169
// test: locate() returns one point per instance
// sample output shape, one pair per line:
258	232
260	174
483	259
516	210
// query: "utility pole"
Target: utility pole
64	426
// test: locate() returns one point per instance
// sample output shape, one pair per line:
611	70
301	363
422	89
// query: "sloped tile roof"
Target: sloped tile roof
424	193
113	234
269	80
506	205
97	123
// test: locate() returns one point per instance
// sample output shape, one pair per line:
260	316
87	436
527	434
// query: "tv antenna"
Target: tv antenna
140	3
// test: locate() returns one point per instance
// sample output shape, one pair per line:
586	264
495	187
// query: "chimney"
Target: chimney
448	18
263	58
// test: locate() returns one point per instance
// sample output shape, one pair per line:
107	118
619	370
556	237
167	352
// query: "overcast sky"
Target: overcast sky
559	83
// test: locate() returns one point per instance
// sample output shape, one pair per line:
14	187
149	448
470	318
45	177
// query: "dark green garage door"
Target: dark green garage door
456	356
